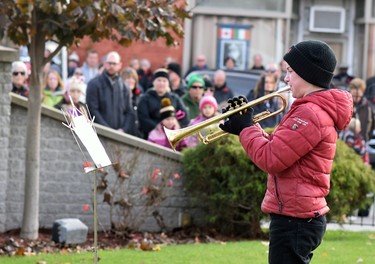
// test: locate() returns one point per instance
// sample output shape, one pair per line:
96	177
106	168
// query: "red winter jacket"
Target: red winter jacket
298	155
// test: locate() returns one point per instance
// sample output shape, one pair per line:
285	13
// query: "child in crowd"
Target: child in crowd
208	108
167	119
351	135
75	91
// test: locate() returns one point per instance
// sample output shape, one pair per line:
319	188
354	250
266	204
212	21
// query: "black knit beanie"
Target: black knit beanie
313	60
175	67
161	73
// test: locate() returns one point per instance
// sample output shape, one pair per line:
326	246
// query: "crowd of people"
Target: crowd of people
128	98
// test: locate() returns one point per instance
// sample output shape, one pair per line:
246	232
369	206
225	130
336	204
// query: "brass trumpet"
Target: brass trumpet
175	136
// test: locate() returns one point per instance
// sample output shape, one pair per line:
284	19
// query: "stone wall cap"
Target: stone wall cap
8	54
3	48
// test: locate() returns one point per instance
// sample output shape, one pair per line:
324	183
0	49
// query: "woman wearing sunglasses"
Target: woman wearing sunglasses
19	77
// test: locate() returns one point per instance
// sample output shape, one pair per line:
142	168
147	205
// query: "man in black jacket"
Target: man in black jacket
109	100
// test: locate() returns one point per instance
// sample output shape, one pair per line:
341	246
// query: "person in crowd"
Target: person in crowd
195	91
167	119
135	64
266	85
282	66
258	62
274	70
150	104
90	68
167	61
200	64
362	108
229	63
54	64
298	155
53	91
222	91
72	98
130	77
178	85
19	77
351	135
145	75
210	89
73	63
77	74
109	100
208	109
342	78
370	90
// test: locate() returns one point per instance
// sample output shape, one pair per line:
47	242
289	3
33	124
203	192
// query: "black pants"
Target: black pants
292	240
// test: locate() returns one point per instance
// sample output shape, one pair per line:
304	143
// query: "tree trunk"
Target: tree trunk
30	222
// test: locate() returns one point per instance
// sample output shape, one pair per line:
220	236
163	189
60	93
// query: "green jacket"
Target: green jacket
191	106
52	98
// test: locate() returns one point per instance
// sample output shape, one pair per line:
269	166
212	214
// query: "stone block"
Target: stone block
69	231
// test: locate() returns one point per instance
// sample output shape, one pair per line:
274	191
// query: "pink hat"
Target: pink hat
207	99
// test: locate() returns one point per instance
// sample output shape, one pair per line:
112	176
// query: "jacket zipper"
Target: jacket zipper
278	195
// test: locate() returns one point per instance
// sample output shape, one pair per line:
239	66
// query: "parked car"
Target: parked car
240	82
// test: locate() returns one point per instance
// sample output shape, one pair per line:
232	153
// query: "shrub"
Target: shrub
351	181
221	177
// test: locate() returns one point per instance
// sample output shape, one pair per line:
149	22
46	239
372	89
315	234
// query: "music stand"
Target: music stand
80	124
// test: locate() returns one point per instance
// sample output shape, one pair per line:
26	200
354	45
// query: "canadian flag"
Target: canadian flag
226	33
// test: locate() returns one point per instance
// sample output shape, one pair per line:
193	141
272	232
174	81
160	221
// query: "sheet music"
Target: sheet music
83	129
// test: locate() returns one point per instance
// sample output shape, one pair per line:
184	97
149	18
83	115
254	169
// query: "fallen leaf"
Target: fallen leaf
20	252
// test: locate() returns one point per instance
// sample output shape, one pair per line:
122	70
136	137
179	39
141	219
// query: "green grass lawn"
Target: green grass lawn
337	247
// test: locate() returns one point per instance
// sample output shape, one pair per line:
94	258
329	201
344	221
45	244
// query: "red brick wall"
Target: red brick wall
155	52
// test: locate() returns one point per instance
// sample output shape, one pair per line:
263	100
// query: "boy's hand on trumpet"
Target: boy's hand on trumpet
239	120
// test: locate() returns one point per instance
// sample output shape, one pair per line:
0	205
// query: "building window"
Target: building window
265	5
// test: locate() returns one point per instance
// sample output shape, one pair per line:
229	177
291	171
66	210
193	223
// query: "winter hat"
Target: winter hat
313	60
77	84
196	78
208	99
161	73
167	109
175	67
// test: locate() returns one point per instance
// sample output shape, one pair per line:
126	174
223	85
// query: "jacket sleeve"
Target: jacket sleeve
92	100
292	139
129	116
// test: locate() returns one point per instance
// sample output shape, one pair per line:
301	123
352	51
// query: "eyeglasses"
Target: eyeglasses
271	70
17	73
196	87
78	73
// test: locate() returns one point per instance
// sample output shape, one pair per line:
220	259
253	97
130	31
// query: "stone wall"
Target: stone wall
6	57
64	186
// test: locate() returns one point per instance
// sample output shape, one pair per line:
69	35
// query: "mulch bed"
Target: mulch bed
12	244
